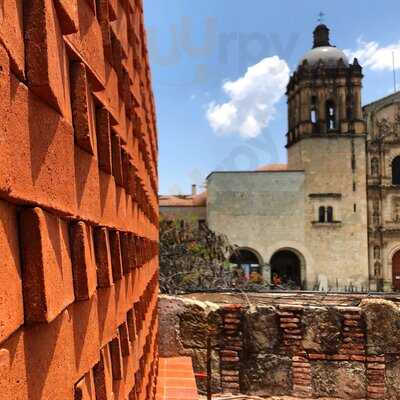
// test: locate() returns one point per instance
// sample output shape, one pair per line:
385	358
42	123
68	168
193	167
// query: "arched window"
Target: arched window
329	214
321	214
330	115
396	171
313	114
374	167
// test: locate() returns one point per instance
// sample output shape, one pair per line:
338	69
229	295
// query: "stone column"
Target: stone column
358	115
341	106
321	107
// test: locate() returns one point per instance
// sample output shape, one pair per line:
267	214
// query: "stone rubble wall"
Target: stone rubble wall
78	202
343	352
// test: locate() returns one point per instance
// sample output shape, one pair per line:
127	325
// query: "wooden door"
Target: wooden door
396	271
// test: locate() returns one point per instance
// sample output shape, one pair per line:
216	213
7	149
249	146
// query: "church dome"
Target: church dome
323	50
328	54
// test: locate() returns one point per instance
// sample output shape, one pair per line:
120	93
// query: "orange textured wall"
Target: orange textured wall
78	202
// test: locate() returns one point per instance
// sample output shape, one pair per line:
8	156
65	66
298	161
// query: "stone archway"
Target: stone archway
286	269
249	261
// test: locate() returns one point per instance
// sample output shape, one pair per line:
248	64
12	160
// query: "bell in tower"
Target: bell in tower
324	93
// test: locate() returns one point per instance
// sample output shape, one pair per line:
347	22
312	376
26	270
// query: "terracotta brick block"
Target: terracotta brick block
44	52
376	366
12	34
107	309
67	11
116	359
116	259
87	185
126	252
104	20
47	269
33	168
113	9
131	325
85	324
84	389
5	383
12	308
103	257
83	262
103	140
124	339
117	159
88	42
80	103
102	376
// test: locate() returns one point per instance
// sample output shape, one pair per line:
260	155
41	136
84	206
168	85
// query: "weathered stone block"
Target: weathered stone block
199	360
47	269
261	328
392	377
345	380
267	375
195	324
84	266
382	318
322	330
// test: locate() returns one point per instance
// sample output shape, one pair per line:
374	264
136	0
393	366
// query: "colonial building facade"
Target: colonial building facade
307	224
383	153
329	219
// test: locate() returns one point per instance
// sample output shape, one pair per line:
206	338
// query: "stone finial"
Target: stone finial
321	36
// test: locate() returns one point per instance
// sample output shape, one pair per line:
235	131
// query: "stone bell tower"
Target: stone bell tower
324	94
326	139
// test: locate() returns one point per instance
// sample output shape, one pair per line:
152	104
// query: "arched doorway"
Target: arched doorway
396	271
248	262
286	269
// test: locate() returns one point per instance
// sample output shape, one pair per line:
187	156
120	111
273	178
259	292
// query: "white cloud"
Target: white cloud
252	99
375	57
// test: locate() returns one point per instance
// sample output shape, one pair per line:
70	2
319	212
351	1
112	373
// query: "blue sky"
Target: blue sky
217	62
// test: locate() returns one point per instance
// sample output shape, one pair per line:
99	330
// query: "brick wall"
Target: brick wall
78	202
304	350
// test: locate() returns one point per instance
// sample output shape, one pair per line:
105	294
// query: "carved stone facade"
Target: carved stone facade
383	148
